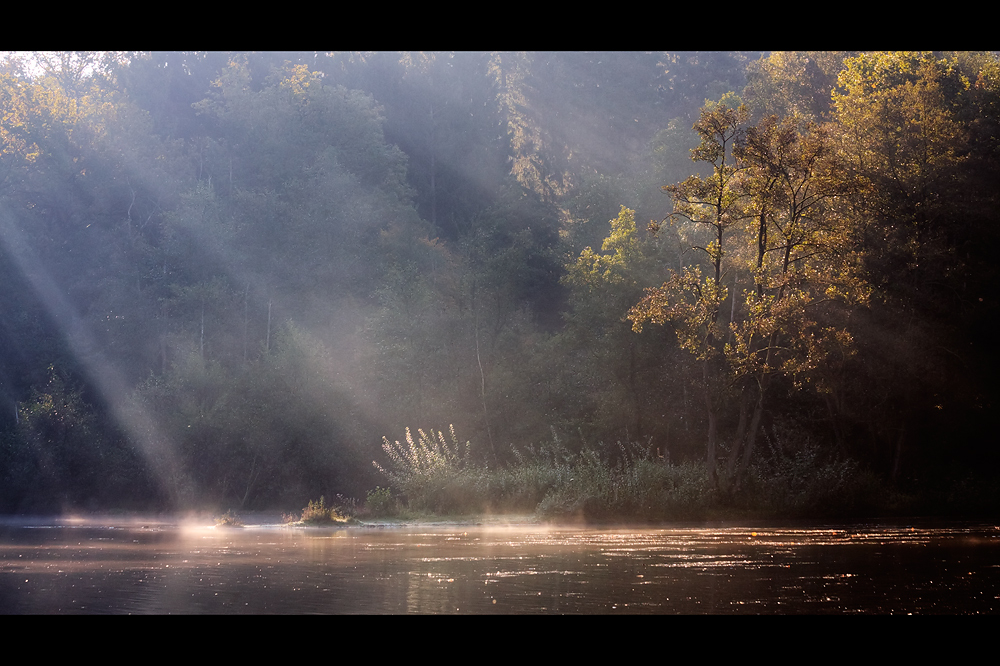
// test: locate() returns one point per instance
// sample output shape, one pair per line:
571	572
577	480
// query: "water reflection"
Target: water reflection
150	568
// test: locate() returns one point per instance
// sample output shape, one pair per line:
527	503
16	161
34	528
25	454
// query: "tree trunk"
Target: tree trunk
833	410
741	430
710	463
758	412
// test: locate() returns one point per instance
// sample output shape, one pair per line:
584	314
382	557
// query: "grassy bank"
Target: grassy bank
433	473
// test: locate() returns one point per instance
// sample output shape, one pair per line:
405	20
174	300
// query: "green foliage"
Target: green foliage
56	428
794	83
670	152
284	126
792	478
60	456
899	110
795	478
257	435
548	479
710	206
534	472
434	475
380	503
627	377
165	216
592	270
636	487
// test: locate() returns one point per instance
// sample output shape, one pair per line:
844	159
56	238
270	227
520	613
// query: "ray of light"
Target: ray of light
140	426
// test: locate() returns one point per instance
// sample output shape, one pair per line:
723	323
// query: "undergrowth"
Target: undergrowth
435	473
318	513
229	519
797	479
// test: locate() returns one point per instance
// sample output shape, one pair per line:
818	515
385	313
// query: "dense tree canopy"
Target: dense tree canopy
229	275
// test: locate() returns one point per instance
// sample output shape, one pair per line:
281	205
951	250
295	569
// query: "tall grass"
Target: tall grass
435	473
637	486
534	474
797	479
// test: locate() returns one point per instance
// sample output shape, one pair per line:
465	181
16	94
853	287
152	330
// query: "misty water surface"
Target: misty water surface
167	568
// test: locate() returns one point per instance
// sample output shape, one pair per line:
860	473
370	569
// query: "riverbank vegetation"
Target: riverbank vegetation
767	274
318	514
433	476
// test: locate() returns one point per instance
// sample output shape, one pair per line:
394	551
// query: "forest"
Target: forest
645	285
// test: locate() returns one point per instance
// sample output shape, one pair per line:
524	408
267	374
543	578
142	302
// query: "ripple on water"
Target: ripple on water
846	569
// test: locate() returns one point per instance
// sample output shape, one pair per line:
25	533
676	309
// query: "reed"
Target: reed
434	473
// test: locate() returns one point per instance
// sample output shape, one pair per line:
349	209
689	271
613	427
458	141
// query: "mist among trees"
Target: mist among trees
228	276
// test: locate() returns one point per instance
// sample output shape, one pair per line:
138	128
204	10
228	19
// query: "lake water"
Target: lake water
109	567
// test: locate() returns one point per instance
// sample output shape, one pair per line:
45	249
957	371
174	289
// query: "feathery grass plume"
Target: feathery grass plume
434	475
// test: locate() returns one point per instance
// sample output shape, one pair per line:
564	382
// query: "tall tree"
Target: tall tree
712	206
911	128
770	208
804	261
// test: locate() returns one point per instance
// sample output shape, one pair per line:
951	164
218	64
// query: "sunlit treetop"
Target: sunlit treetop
620	249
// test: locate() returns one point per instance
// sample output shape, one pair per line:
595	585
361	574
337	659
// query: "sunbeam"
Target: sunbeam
140	426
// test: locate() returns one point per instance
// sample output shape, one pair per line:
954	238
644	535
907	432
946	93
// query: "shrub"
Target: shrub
318	513
535	472
637	486
434	475
229	519
380	503
803	482
438	476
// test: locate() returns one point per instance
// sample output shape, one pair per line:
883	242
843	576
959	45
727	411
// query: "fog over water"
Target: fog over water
87	567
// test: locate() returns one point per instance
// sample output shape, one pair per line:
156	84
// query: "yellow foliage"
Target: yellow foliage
772	212
621	247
